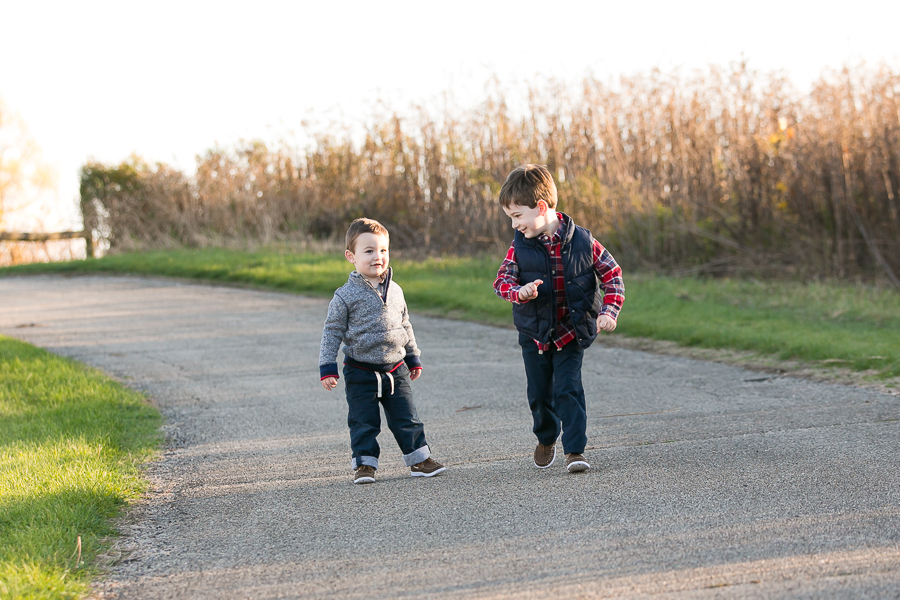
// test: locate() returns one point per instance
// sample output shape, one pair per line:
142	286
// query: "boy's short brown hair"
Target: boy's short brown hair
361	226
528	184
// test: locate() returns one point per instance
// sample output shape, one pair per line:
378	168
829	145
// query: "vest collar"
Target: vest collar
565	223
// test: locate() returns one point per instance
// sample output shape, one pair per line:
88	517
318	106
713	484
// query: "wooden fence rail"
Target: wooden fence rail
9	236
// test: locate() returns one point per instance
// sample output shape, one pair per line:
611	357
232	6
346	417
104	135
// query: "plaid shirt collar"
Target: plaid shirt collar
562	232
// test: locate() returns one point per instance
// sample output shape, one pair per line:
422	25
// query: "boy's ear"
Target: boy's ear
542	207
349	256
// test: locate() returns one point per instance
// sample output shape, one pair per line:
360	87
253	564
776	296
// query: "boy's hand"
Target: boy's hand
529	291
329	383
414	374
606	323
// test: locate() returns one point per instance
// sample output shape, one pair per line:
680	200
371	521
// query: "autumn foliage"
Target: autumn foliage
729	171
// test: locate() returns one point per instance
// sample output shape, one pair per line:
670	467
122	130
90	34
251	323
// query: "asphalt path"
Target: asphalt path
709	481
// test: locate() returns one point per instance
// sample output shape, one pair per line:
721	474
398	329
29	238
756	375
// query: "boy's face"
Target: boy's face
532	222
370	255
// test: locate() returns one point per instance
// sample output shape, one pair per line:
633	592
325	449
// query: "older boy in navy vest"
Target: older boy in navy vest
565	287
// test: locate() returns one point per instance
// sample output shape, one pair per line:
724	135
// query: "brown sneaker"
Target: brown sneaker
426	468
544	455
364	474
576	462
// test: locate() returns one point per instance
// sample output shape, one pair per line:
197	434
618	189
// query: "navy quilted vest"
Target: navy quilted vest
536	319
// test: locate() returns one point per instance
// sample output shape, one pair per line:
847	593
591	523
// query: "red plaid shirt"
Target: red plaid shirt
608	274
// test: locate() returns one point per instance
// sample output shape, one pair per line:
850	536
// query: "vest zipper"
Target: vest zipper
552	295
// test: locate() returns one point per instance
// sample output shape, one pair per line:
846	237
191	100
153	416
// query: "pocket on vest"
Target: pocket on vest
525	317
574	294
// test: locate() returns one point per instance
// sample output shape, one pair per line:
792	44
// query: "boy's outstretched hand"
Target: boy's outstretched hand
606	323
414	374
529	291
329	383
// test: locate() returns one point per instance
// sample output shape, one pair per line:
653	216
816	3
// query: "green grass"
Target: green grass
855	326
839	324
71	445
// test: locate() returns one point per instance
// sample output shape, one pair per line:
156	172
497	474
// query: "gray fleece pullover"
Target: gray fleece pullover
373	330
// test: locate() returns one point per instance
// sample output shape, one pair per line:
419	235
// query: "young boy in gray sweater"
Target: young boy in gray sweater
369	315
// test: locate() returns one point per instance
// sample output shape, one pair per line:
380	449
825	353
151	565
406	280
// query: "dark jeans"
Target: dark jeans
364	417
555	394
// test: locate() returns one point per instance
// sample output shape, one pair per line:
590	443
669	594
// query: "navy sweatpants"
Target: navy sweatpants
364	417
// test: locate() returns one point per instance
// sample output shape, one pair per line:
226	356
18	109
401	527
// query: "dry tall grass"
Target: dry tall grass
728	171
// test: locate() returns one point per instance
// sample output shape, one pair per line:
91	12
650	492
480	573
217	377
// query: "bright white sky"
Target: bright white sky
168	80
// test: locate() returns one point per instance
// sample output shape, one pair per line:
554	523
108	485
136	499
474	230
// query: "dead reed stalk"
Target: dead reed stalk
728	171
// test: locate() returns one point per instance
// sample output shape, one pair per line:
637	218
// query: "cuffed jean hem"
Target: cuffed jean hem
416	456
364	460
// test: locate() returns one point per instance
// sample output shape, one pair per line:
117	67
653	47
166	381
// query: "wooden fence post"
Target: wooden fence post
10	236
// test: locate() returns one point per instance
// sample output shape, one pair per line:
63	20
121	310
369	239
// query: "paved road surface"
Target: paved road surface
709	481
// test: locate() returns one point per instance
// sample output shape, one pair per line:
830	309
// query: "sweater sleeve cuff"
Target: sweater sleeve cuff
328	370
413	362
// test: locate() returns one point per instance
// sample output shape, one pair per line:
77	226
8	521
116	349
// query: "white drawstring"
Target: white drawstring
378	378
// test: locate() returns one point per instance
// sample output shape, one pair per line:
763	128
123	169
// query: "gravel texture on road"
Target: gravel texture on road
708	481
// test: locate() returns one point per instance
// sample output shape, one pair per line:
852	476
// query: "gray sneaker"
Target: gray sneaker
426	468
575	462
544	455
364	474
